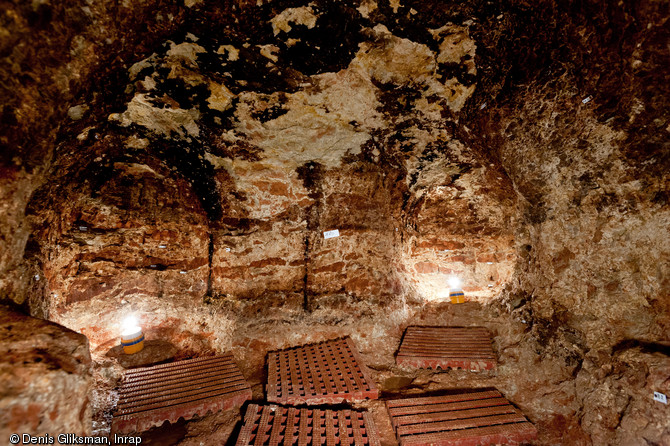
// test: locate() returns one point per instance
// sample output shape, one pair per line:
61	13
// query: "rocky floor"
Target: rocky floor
377	340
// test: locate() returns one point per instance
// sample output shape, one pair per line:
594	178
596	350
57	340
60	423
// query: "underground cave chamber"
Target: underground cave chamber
287	196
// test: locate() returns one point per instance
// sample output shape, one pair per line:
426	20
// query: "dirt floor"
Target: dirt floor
377	339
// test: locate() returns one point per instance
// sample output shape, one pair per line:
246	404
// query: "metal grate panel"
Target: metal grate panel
328	372
471	418
467	348
273	425
149	396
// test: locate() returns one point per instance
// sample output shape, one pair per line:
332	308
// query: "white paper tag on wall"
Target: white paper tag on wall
660	397
331	234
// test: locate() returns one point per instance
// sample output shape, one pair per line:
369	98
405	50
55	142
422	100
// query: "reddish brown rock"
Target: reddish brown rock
46	376
426	268
446	245
272	251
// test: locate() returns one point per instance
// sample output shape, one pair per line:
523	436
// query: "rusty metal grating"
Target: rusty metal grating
467	348
273	425
471	418
150	396
328	372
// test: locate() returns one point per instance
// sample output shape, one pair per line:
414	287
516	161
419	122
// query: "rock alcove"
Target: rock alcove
182	161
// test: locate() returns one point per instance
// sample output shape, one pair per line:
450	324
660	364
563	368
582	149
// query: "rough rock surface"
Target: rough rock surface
45	370
182	161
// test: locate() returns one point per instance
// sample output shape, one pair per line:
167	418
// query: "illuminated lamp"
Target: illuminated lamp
455	291
132	338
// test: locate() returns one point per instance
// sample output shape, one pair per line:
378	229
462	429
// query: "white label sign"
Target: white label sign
660	397
331	234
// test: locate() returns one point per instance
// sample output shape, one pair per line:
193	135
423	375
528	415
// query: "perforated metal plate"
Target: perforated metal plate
150	396
467	348
273	425
329	372
471	418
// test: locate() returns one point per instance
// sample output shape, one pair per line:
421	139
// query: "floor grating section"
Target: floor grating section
467	348
150	396
329	372
273	425
482	417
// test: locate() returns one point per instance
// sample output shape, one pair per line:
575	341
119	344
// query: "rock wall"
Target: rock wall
204	181
138	233
595	248
46	376
15	190
584	143
54	54
591	280
458	217
284	249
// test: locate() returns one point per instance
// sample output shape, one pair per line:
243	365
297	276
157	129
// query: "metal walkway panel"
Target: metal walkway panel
481	417
271	425
328	372
467	348
149	396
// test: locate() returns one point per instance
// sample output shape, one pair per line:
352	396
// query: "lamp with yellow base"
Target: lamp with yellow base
455	291
132	338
